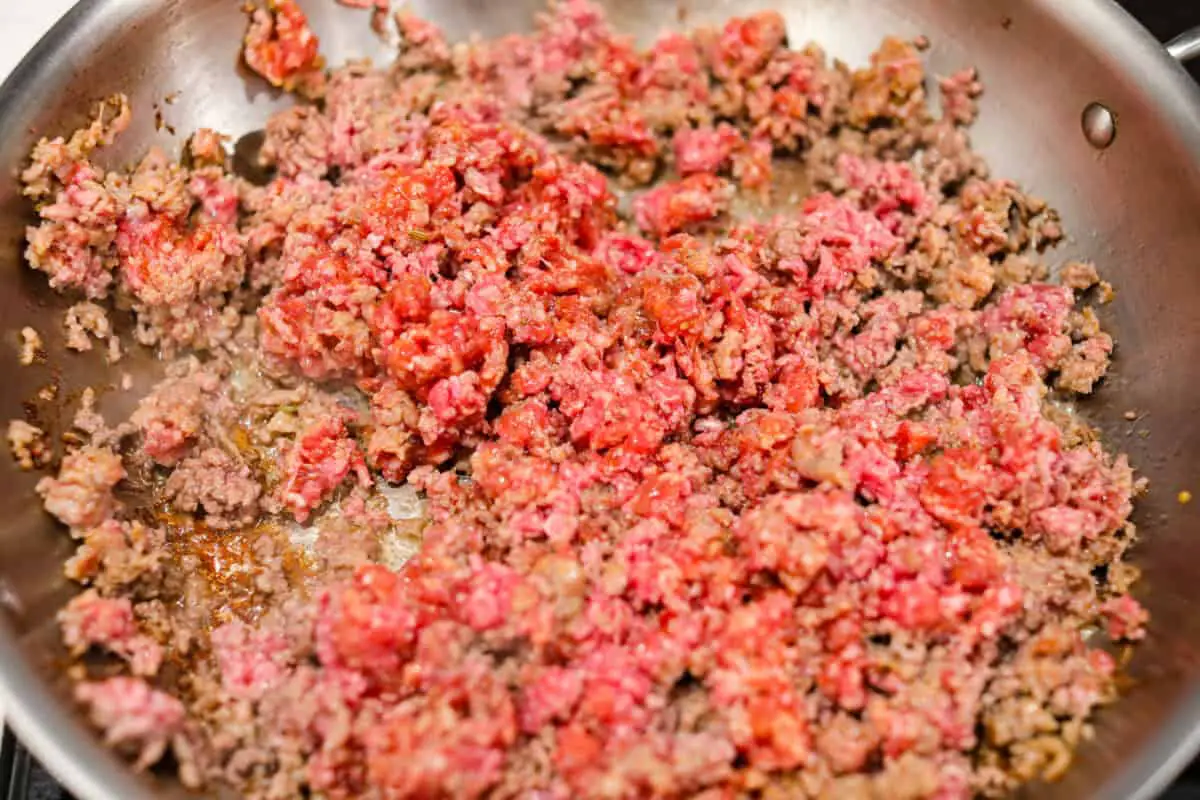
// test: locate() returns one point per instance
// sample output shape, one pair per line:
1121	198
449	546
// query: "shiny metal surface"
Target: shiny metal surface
1099	125
1186	45
1132	207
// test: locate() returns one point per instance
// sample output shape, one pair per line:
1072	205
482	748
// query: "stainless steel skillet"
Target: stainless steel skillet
1133	206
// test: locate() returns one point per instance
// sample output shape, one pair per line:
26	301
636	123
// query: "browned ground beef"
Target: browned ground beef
727	491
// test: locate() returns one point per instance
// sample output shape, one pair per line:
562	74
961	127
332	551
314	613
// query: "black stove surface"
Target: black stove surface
22	778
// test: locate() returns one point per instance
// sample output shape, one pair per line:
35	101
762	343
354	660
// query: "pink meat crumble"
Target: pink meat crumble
280	46
91	620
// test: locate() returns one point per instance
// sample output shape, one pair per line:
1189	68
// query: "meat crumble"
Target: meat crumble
536	438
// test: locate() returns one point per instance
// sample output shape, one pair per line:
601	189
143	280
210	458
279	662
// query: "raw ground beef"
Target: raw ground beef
709	503
135	717
280	47
90	620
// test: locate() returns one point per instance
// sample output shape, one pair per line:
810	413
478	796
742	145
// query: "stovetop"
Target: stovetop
22	778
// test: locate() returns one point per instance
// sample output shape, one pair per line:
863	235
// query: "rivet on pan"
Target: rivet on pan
1099	125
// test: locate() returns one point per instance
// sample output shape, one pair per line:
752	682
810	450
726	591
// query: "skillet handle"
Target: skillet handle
1185	46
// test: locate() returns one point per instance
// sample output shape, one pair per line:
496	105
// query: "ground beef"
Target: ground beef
216	485
1126	618
1080	275
90	620
711	504
115	352
82	494
959	94
673	207
705	149
83	322
319	460
163	237
90	421
28	444
207	147
298	142
280	46
1086	364
31	347
78	211
116	555
170	419
134	717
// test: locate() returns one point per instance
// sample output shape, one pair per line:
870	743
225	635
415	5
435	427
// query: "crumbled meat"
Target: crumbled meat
135	233
1126	618
31	347
83	322
422	45
90	421
298	141
1086	364
217	485
705	149
207	147
90	620
672	207
959	95
115	555
281	47
251	663
81	496
79	212
319	461
28	444
170	418
1079	275
134	716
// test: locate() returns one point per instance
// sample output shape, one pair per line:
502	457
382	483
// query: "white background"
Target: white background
22	23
